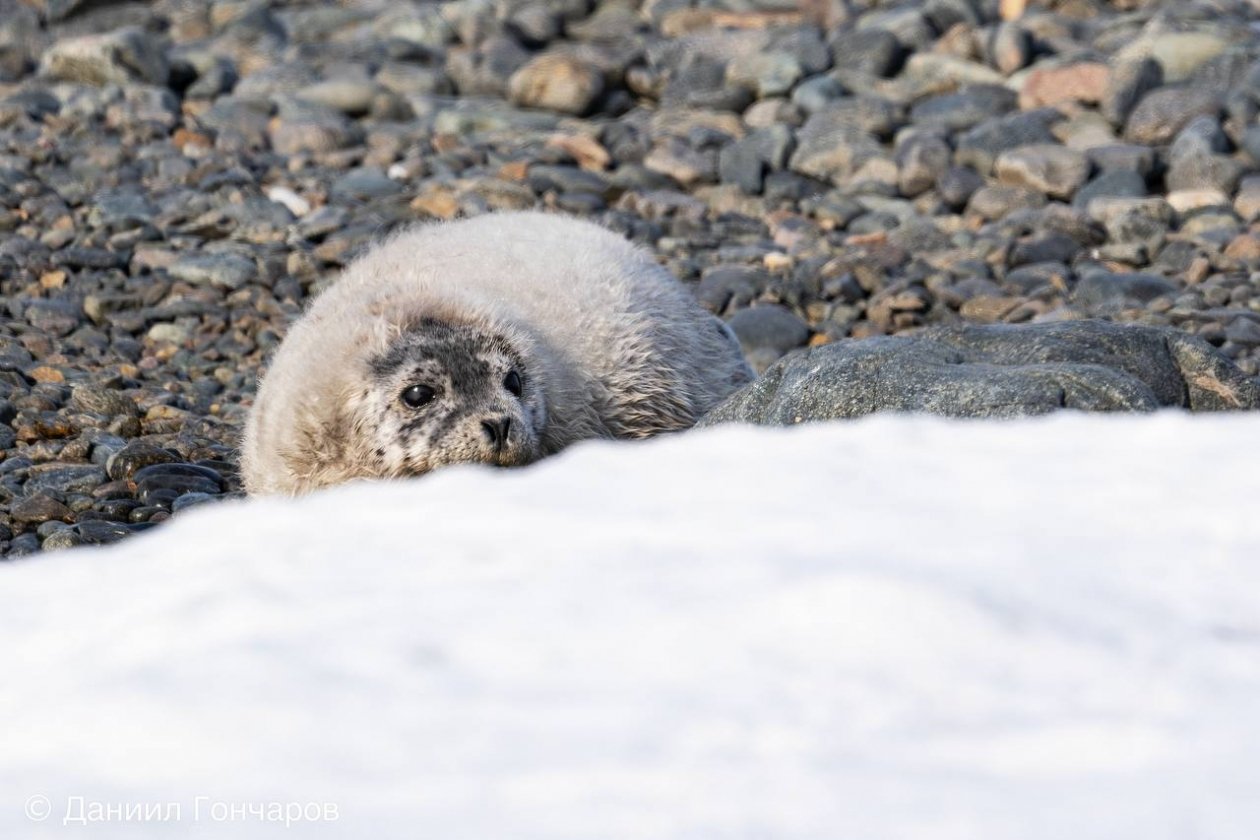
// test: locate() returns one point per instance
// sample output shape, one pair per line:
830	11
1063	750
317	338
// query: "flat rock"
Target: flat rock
994	371
229	271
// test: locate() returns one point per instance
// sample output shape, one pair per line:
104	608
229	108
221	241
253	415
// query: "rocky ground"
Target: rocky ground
178	177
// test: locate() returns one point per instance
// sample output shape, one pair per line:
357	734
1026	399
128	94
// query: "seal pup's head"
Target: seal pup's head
351	396
443	393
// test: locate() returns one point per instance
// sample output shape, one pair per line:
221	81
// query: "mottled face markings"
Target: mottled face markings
445	394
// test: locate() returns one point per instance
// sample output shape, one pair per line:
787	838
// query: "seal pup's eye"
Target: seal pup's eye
513	383
418	396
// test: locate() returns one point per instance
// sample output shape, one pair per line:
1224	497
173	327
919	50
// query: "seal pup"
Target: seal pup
497	339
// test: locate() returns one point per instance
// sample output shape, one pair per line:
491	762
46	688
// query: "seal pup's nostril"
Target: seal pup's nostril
496	431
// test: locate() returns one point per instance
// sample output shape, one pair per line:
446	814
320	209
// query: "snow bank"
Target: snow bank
894	628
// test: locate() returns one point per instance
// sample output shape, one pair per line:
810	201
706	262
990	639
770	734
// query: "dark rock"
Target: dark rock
23	544
365	183
957	185
95	400
566	179
873	51
740	164
746	161
191	500
981	146
179	469
102	532
161	484
1118	183
1129	83
994	371
945	14
145	513
115	510
816	93
64	478
908	24
1027	279
39	507
805	44
77	256
1048	248
768	331
726	288
135	456
966	108
1123	157
1164	112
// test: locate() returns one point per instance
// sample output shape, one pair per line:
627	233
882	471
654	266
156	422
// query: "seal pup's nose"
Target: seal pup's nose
496	431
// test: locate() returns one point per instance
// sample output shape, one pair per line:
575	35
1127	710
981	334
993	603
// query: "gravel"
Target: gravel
177	179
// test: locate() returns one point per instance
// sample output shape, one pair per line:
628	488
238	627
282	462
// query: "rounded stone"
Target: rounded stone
556	82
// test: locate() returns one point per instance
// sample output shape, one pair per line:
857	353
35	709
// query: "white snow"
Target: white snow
895	628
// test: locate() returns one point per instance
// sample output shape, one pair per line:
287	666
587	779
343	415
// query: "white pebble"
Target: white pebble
297	205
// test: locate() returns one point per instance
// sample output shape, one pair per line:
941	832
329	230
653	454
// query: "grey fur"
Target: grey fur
606	344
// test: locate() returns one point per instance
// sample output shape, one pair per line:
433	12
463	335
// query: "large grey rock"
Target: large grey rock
994	371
